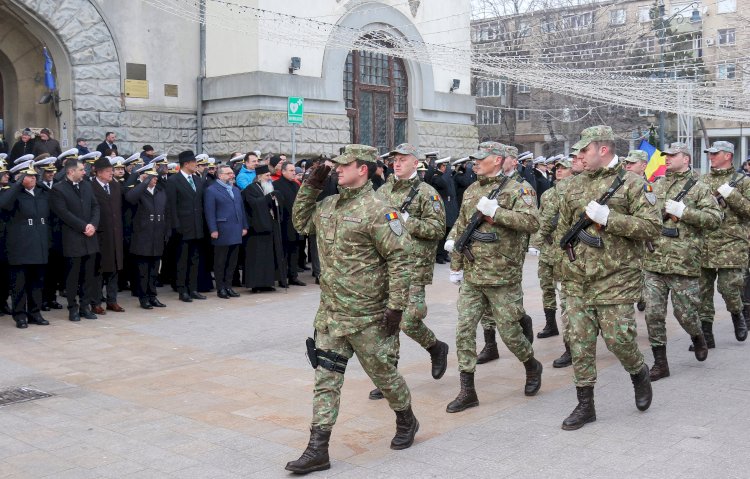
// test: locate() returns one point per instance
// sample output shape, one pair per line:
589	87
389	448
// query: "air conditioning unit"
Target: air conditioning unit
709	42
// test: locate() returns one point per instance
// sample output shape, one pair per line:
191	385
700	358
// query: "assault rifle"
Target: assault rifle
463	243
675	232
409	198
578	231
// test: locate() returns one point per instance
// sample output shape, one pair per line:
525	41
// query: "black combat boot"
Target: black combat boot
533	376
406	428
565	360
550	329
439	358
740	326
699	347
528	330
489	352
584	413
660	369
315	457
467	397
708	335
746	314
642	387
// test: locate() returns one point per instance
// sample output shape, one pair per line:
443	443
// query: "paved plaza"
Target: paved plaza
222	389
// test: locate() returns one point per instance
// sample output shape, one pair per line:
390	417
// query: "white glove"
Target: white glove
598	213
405	216
725	190
449	246
487	206
674	208
456	277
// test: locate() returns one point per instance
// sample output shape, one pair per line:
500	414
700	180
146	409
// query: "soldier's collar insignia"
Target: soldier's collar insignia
394	223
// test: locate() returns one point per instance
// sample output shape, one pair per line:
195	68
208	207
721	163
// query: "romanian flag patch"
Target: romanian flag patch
435	198
391	216
527	192
648	188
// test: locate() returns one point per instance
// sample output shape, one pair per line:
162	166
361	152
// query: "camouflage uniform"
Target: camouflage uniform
602	285
426	226
725	250
493	280
365	262
675	264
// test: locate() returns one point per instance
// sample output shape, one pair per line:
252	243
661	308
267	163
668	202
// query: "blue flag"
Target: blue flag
49	78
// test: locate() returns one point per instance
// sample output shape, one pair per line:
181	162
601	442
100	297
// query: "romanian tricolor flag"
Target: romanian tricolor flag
391	216
656	165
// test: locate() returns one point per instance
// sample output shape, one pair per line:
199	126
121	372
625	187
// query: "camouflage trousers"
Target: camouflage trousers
505	305
617	325
412	323
564	321
375	352
729	282
685	301
547	283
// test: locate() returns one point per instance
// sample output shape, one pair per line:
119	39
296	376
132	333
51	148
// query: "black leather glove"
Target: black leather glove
318	176
392	321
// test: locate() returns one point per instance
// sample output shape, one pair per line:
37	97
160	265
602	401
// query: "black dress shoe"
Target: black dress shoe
21	323
145	304
156	303
86	313
38	319
283	284
185	297
297	282
223	294
197	295
55	305
73	315
232	293
45	307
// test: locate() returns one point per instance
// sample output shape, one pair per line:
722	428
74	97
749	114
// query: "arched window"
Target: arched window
375	93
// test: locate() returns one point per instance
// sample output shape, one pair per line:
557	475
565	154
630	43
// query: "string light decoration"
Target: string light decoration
612	69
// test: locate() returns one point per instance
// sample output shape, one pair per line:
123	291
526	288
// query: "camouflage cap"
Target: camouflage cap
594	133
511	151
676	148
718	146
634	156
405	149
489	148
563	163
356	152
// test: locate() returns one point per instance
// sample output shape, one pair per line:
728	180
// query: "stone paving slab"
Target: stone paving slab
222	388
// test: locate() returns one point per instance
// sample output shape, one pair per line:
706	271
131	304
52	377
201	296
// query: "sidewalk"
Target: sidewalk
222	389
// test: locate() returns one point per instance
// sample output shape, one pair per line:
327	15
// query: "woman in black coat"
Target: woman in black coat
150	231
27	243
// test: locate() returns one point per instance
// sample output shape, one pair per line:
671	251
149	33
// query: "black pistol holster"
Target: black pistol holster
325	359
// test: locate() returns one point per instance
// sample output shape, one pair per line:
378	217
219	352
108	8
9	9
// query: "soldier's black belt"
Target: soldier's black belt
325	359
591	240
483	237
670	232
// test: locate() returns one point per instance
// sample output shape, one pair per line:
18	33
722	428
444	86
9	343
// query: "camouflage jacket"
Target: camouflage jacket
365	256
682	255
727	246
549	217
612	274
499	262
426	223
518	177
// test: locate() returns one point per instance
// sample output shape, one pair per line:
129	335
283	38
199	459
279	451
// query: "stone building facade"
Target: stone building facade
132	69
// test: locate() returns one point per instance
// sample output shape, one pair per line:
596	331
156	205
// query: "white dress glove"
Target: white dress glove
598	213
487	206
725	190
675	208
449	246
456	277
405	216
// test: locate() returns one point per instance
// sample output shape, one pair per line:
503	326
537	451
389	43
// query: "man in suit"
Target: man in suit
109	260
107	144
227	223
185	198
73	201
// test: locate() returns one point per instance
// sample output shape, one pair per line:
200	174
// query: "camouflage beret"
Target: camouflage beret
405	149
489	148
594	133
720	146
634	156
355	152
676	148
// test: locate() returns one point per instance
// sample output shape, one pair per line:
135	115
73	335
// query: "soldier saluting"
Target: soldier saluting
605	280
364	286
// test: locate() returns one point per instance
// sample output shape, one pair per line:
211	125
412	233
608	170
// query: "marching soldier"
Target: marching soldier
493	280
602	277
674	266
364	283
636	162
423	213
725	250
